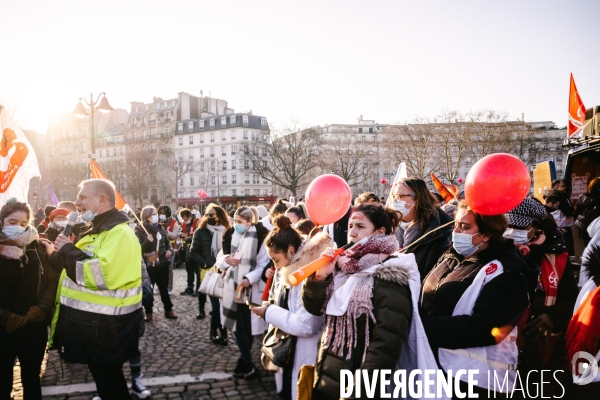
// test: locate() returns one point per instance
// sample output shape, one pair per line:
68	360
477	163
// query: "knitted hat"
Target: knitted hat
526	213
48	210
58	211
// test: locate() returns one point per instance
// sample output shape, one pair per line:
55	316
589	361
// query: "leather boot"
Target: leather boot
222	337
214	335
148	317
170	315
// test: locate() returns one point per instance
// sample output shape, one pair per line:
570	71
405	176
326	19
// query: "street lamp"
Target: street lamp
101	104
35	199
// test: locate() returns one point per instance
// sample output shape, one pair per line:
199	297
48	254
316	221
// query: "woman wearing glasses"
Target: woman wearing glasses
420	222
206	244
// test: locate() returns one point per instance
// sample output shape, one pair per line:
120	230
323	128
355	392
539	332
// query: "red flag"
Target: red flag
97	173
447	193
576	112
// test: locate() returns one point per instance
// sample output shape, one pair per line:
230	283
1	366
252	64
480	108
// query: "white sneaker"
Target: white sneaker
170	291
138	388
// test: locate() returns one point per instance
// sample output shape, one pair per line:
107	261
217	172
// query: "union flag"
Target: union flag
576	112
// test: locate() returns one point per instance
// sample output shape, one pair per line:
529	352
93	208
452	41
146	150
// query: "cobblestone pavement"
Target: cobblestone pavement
172	348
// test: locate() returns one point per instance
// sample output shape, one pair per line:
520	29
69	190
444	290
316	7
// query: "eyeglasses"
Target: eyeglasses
400	196
210	215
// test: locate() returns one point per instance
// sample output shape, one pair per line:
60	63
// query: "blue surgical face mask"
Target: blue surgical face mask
241	228
463	243
89	216
13	230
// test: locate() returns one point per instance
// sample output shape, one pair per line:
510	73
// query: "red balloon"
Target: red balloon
200	192
327	199
496	184
460	180
383	181
204	195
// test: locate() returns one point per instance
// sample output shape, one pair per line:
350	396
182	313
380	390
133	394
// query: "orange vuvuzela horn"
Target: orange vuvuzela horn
309	269
265	295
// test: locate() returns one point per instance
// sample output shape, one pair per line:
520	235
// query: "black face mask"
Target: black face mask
211	220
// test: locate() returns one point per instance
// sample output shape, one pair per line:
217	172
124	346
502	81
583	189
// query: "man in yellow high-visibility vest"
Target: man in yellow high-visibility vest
99	298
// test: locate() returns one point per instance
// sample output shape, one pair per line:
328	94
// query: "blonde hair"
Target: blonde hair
246	213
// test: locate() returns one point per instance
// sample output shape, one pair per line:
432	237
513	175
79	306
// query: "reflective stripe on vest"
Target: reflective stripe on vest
96	271
107	302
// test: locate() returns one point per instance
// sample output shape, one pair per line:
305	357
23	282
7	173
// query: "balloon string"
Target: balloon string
425	235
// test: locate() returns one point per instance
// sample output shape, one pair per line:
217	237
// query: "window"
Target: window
165	105
212	151
234	192
234	178
246	164
232	135
265	192
247	192
152	132
191	154
224	179
232	149
245	120
370	130
265	181
224	150
224	165
223	135
212	122
173	103
180	127
363	139
202	138
191	181
191	139
181	141
247	178
212	136
232	120
245	134
256	192
144	134
233	164
201	124
373	139
152	117
359	130
190	126
263	122
253	135
212	180
181	182
168	130
201	153
254	179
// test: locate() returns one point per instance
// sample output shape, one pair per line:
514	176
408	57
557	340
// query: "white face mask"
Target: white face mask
62	224
162	217
13	230
89	216
154	219
519	236
463	243
401	206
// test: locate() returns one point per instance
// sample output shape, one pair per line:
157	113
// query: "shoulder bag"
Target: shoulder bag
278	347
213	283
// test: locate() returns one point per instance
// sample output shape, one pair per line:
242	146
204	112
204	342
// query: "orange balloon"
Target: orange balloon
327	199
496	184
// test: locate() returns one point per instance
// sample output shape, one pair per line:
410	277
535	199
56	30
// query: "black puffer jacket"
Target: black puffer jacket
392	308
29	283
501	302
201	253
148	247
428	251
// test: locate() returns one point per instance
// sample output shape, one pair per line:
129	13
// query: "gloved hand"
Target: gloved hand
15	322
36	314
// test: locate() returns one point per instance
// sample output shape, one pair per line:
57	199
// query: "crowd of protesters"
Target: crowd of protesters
434	285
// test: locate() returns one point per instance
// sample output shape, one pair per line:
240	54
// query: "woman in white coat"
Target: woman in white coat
244	257
288	253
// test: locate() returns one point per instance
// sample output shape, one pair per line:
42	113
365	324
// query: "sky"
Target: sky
317	62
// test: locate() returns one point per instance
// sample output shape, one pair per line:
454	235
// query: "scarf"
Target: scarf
13	247
583	332
247	244
217	238
354	282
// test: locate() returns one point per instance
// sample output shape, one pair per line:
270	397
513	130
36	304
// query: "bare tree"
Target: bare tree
454	138
140	169
285	156
345	155
178	168
414	144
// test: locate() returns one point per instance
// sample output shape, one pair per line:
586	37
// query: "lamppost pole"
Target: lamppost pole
100	104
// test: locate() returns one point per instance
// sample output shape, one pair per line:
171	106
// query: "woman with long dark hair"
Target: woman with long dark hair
207	243
27	291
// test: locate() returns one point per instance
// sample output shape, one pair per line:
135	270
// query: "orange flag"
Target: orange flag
98	174
448	192
576	112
